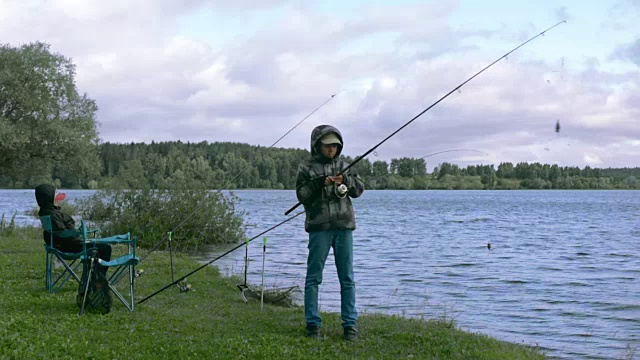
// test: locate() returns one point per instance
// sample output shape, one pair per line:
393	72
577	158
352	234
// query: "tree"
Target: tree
380	168
522	171
364	168
631	181
267	171
448	169
131	174
489	180
45	125
401	167
505	170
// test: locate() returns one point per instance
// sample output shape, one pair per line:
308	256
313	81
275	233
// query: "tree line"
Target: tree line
244	166
48	134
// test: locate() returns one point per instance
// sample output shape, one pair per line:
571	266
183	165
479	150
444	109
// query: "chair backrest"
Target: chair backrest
45	221
85	236
47	225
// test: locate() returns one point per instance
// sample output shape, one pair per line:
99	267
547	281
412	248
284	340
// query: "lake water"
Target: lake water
562	272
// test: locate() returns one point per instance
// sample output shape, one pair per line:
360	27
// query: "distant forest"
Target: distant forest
242	166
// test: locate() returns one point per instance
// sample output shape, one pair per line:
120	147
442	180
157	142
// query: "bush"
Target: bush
196	216
8	225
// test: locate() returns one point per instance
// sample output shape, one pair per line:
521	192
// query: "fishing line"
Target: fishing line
563	86
220	257
432	105
157	245
305	118
444	151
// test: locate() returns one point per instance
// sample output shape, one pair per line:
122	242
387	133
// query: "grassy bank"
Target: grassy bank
210	322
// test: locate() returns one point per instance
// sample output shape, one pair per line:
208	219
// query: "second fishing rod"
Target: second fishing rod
219	257
432	105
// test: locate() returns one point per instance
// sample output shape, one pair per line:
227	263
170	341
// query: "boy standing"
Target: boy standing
330	221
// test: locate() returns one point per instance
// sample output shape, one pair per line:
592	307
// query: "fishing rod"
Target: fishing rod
246	244
219	257
432	105
264	255
245	287
444	151
159	243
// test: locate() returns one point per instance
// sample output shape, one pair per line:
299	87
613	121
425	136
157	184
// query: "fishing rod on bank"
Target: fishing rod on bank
219	257
432	105
159	243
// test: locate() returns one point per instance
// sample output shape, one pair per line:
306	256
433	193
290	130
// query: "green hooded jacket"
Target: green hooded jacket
324	209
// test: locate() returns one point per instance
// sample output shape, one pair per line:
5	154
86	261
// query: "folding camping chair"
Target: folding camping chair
122	266
69	260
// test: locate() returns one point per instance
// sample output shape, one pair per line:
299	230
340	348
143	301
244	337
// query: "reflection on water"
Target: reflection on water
562	272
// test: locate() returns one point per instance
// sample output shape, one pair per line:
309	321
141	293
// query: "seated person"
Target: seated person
48	198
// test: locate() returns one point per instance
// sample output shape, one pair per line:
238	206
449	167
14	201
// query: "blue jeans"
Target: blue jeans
319	244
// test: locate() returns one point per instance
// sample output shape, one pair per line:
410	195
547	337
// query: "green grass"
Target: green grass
211	322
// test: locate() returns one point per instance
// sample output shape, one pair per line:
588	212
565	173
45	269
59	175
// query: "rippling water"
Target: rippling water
562	272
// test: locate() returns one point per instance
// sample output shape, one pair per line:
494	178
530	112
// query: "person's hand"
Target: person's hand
329	180
338	180
319	182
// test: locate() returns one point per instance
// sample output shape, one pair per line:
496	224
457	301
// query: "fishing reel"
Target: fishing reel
341	190
184	286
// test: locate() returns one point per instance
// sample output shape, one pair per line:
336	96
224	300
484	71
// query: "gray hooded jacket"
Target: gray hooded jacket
324	210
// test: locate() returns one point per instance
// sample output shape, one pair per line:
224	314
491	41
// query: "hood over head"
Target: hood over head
317	134
45	195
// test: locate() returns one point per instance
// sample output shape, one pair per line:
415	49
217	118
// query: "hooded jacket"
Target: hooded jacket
324	209
60	221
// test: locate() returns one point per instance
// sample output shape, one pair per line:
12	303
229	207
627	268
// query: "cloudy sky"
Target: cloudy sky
248	70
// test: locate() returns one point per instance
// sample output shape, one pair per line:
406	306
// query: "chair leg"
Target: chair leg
68	272
118	274
63	277
116	277
48	273
86	287
132	271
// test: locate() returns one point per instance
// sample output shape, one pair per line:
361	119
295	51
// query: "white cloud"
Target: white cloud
153	84
592	159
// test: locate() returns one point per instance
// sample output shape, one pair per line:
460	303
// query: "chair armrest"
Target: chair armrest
123	238
89	231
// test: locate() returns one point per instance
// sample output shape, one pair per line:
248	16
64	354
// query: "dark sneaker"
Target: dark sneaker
313	332
350	333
